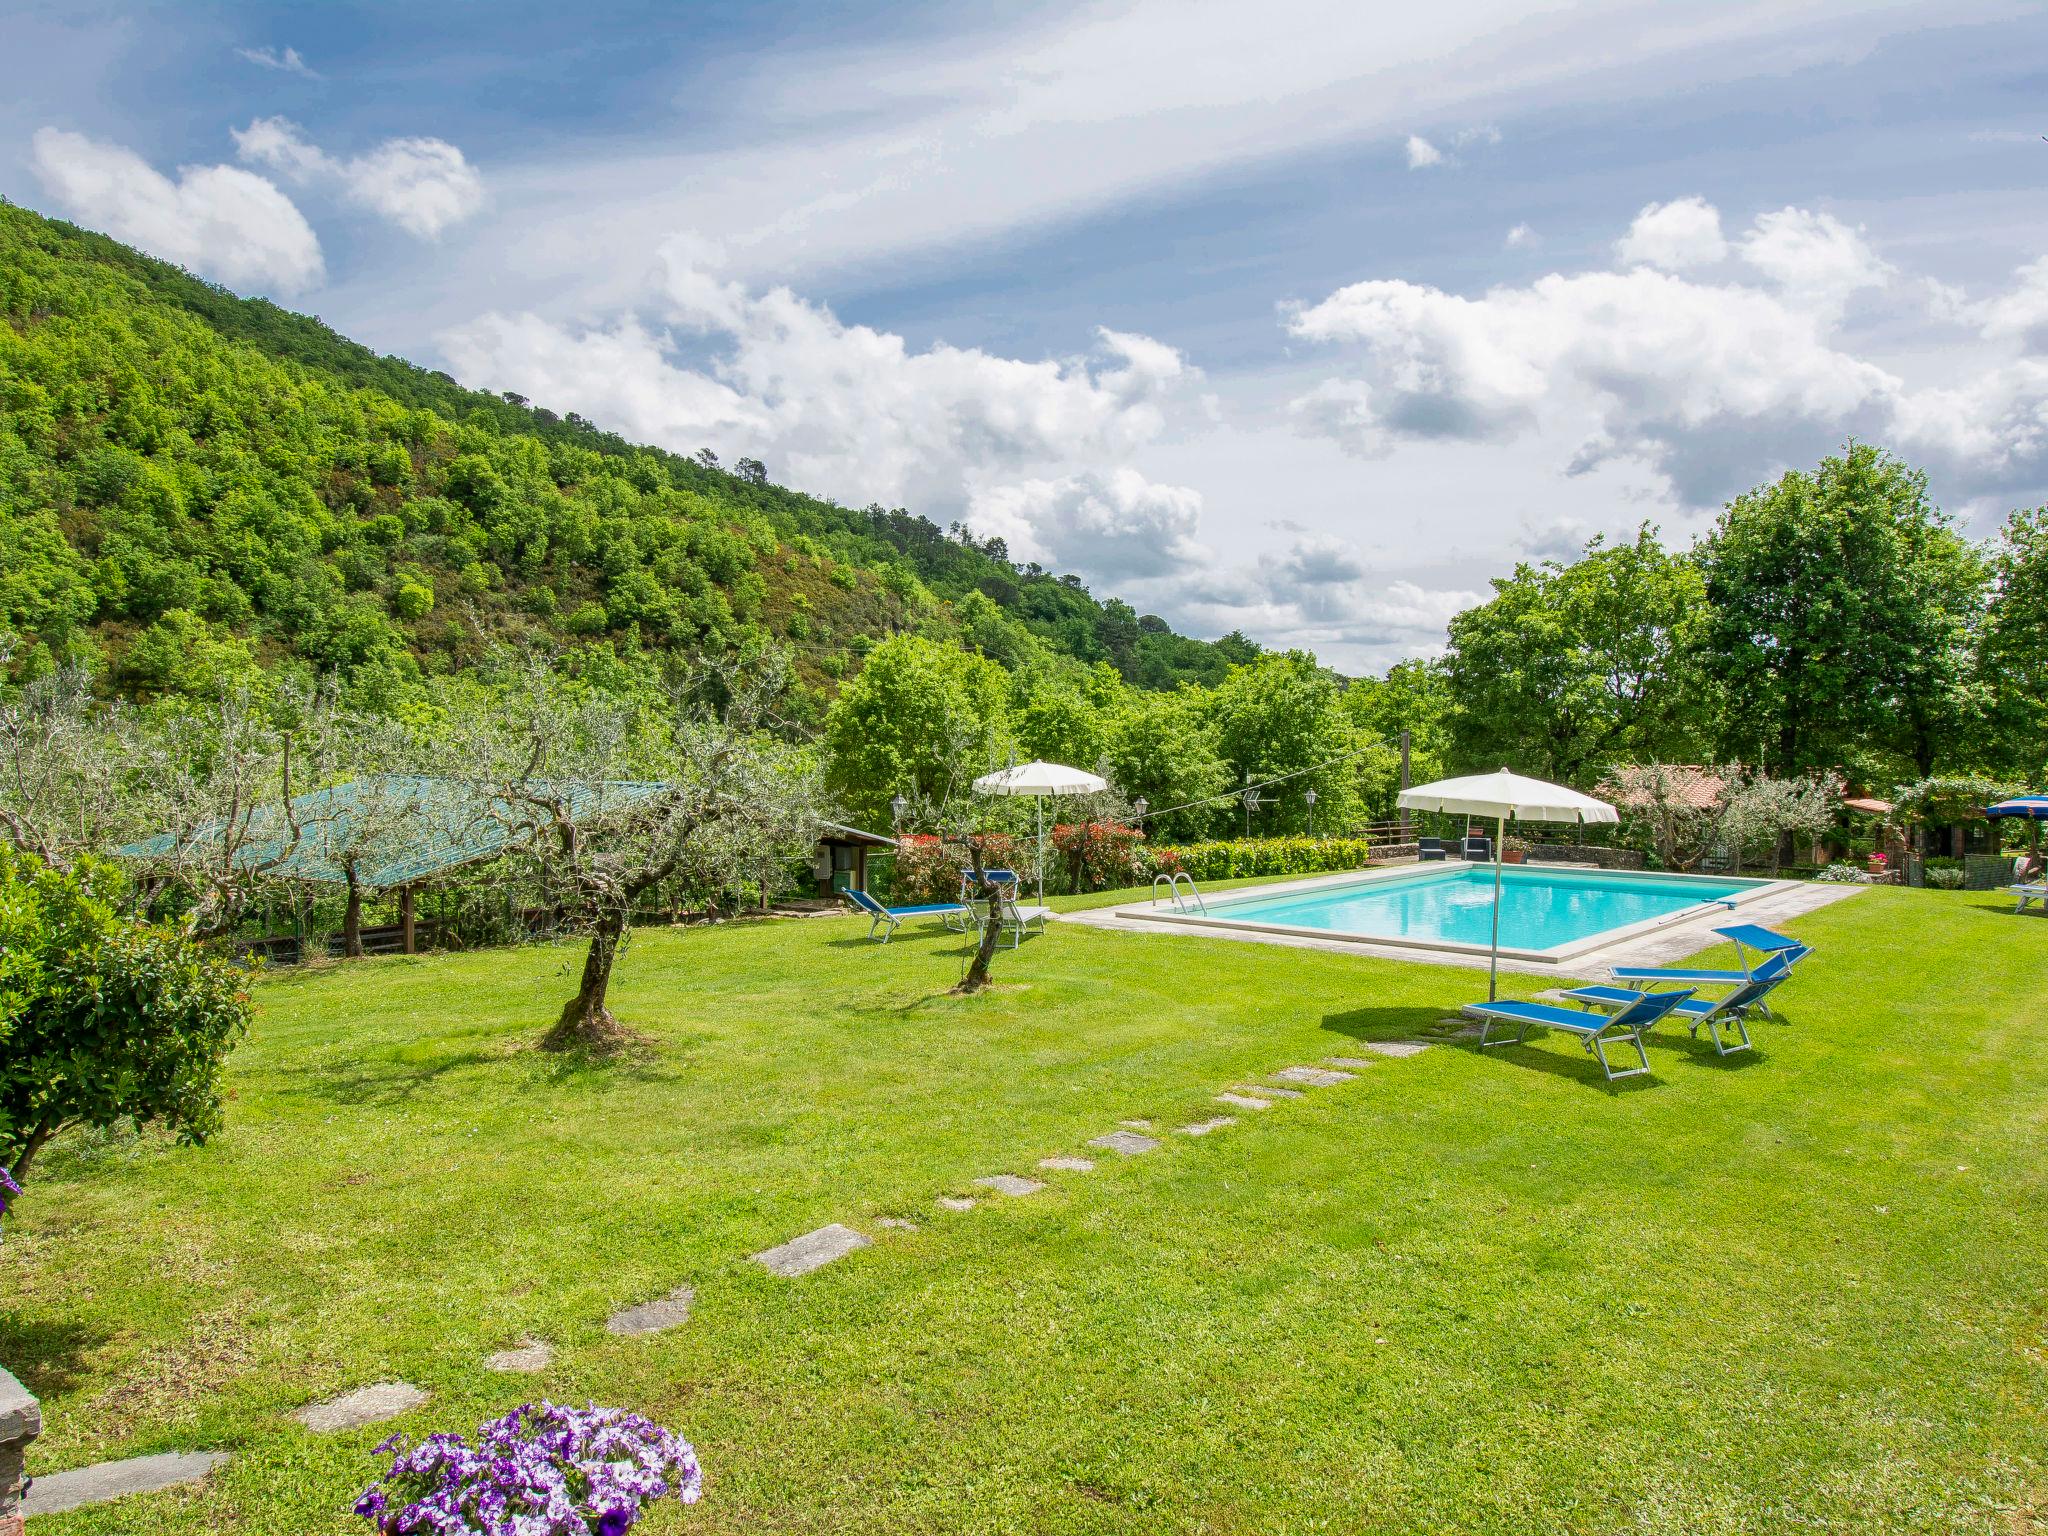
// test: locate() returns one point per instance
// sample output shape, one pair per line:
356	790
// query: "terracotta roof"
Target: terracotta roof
1687	783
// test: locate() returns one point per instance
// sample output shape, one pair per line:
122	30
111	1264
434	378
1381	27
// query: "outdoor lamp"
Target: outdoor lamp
1310	797
897	806
1138	808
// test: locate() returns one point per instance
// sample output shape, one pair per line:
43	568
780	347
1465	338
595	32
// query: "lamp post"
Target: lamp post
897	806
1310	797
1138	809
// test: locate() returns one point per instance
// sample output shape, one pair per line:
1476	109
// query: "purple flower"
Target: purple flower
541	1470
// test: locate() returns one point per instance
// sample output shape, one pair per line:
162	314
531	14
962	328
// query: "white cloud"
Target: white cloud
1422	153
1519	236
422	185
1711	384
1485	133
846	410
216	219
288	61
1116	528
1814	257
1675	236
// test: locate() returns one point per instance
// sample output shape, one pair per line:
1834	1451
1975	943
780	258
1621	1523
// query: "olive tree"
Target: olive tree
612	798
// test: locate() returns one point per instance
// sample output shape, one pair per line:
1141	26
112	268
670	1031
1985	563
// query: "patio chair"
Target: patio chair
878	914
1780	955
2031	893
1429	850
1018	921
1594	1030
1478	850
1695	1010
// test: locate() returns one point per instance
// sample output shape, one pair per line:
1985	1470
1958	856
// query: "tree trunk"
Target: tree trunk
991	933
586	1023
352	919
30	1148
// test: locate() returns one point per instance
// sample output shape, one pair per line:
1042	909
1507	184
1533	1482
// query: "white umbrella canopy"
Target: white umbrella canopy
1502	795
1041	779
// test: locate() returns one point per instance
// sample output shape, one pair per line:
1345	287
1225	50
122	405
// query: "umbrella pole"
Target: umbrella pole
1493	959
1039	801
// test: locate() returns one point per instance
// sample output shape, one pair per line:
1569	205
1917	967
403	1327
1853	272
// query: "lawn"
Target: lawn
1473	1292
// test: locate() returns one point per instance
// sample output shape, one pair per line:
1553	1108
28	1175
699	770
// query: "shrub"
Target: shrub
104	1018
1950	879
928	869
1841	874
539	1471
1237	858
1100	855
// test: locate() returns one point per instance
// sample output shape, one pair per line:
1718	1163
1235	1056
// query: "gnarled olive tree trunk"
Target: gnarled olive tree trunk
586	1022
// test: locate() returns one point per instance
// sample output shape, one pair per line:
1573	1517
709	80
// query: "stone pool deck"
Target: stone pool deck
1664	946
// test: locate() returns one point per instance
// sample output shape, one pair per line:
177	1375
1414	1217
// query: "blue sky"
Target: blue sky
1303	318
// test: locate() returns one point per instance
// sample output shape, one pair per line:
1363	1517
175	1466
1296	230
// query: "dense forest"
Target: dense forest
193	482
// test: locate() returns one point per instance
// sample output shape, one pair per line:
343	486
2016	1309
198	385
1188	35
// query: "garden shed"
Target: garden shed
841	860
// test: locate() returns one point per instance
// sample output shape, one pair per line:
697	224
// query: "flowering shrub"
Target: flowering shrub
1239	857
1099	855
1843	874
539	1471
928	869
1945	879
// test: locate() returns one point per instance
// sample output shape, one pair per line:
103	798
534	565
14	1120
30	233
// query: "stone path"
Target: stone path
814	1250
1204	1127
955	1203
1010	1184
1135	1125
670	1311
366	1405
1068	1164
1128	1143
1397	1048
55	1492
895	1223
1268	1091
1314	1077
1349	1063
1243	1100
524	1359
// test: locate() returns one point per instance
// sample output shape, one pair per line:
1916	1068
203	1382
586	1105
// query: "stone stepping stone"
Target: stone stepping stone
670	1311
955	1203
1128	1143
814	1250
1267	1091
1068	1164
1313	1077
1010	1184
524	1359
1243	1100
366	1405
1398	1048
1204	1127
1135	1125
895	1223
55	1492
1350	1063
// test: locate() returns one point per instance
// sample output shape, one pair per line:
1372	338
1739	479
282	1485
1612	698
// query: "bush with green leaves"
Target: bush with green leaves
1950	879
1239	857
104	1019
1841	874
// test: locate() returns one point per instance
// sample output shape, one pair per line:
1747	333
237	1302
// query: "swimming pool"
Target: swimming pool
1545	913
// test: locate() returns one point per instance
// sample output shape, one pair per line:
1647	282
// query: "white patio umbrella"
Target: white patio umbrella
1040	779
1502	795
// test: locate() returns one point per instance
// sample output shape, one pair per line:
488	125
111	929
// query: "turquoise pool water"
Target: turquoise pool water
1539	908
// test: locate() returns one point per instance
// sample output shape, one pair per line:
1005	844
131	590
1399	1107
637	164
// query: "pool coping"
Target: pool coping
1557	955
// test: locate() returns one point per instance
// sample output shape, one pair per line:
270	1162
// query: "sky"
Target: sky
1297	318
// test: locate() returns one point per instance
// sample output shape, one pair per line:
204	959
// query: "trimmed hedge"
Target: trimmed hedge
1235	858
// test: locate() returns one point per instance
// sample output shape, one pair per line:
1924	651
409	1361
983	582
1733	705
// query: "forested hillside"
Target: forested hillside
193	484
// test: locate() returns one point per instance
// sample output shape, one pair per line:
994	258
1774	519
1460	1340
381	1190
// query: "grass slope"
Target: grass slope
1467	1292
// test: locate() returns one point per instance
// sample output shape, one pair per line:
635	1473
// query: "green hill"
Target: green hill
192	481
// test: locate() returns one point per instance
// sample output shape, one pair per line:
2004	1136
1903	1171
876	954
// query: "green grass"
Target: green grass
1473	1292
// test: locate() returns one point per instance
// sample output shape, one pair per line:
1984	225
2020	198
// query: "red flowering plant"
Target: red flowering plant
930	869
1100	855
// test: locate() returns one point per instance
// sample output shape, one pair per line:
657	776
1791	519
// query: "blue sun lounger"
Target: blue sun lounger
2027	893
1594	1030
894	916
1779	954
1696	1010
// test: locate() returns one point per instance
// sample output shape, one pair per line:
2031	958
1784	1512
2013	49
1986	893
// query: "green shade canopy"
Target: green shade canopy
397	828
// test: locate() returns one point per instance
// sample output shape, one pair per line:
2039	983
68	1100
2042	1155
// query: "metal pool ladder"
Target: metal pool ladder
1172	884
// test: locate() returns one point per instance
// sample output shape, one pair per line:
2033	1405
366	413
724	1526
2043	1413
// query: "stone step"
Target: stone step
365	1405
1126	1143
1312	1077
1204	1127
1010	1184
54	1492
670	1311
814	1250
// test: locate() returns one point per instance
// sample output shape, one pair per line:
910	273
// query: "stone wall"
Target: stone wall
1584	853
21	1420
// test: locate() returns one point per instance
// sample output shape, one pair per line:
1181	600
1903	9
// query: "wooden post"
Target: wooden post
405	917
